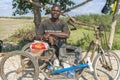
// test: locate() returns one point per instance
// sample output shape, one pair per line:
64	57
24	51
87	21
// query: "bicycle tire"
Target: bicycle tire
9	57
43	63
26	47
101	73
79	73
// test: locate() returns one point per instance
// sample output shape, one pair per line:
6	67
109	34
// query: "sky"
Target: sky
93	7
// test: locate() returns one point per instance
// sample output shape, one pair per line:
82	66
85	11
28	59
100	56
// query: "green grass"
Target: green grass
116	42
77	35
19	30
82	37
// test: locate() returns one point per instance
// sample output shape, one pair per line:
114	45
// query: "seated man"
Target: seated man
54	30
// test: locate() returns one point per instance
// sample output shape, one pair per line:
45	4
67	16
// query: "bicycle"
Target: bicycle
102	62
103	55
14	71
105	61
33	69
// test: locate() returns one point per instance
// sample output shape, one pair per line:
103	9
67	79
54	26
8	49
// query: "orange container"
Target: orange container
39	46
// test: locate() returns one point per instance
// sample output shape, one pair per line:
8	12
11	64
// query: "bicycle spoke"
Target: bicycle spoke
108	70
12	67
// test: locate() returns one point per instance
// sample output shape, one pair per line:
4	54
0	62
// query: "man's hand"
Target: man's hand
52	40
46	36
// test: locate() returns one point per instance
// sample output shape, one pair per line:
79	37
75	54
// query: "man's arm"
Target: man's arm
58	34
65	31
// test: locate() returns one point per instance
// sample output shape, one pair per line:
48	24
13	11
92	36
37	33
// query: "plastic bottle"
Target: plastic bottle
65	64
50	67
71	74
56	64
90	64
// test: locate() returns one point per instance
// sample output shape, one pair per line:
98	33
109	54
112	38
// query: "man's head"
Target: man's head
55	11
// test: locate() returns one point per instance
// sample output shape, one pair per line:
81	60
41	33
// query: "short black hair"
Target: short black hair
56	5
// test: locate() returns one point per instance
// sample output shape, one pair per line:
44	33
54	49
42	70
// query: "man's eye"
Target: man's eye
56	10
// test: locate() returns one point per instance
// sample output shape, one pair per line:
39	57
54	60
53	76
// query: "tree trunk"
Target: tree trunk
37	16
111	35
112	30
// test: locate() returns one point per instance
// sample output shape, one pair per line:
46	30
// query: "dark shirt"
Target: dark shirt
49	26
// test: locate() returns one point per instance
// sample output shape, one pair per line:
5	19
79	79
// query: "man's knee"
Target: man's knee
67	50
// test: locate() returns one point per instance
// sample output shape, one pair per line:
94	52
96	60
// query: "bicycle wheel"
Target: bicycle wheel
109	70
27	47
12	69
42	63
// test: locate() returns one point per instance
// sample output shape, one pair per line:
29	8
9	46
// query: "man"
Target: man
54	30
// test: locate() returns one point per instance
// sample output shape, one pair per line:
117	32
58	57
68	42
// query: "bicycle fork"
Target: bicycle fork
105	61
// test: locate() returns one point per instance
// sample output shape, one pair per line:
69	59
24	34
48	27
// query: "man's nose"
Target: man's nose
56	12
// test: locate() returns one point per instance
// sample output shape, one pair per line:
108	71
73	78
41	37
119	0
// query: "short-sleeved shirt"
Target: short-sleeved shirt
49	26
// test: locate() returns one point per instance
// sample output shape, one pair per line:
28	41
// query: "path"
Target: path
87	75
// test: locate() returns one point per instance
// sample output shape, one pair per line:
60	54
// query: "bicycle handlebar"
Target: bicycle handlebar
98	29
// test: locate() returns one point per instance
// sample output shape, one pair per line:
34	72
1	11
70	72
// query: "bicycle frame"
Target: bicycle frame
96	45
93	44
105	64
80	66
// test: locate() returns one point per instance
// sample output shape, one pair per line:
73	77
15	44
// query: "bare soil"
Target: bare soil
87	75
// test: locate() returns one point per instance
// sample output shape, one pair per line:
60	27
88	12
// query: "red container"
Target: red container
38	46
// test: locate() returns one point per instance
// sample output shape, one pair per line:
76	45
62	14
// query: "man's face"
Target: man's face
55	12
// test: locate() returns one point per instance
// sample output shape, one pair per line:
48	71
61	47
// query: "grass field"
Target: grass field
80	37
8	26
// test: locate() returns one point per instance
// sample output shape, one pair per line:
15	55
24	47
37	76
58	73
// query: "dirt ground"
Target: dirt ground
87	74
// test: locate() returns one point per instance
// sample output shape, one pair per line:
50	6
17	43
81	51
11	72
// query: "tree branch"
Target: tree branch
81	4
34	3
37	4
113	25
67	10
